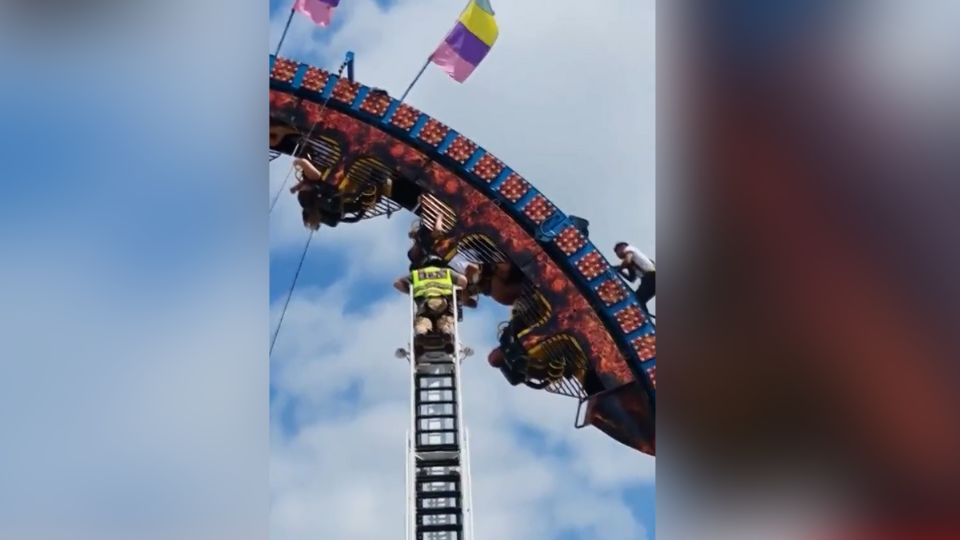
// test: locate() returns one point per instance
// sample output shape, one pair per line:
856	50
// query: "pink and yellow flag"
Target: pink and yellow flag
469	41
319	11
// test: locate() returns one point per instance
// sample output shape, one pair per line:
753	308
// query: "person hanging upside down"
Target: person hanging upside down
470	271
512	360
635	265
497	359
436	242
427	241
501	281
308	191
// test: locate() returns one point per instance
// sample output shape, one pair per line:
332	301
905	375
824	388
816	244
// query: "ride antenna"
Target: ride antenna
415	79
293	9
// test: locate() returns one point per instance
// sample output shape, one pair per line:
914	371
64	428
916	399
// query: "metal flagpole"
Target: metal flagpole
285	28
415	79
424	68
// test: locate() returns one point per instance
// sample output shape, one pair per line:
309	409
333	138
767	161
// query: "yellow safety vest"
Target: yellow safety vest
431	282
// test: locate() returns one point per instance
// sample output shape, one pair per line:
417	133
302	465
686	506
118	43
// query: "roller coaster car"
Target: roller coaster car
353	199
519	366
350	190
555	366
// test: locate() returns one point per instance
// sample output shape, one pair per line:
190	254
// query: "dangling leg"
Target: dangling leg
422	326
445	326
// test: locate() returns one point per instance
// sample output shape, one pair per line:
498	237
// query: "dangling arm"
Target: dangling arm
438	226
402	284
310	172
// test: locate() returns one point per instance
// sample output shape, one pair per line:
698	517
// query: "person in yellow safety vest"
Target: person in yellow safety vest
433	292
431	285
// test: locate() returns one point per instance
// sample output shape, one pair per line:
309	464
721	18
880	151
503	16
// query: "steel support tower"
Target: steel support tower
438	460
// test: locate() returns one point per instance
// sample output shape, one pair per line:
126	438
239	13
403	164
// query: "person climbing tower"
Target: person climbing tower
635	265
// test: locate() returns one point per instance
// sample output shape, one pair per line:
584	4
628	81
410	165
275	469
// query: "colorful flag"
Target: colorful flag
319	11
468	42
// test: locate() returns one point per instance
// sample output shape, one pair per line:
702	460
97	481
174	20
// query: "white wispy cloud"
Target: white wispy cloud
338	470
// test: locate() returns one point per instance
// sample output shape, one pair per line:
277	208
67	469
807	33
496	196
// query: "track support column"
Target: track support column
438	479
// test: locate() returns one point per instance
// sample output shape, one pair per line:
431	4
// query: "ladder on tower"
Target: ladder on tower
438	467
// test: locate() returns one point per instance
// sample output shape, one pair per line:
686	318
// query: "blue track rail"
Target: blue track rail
625	318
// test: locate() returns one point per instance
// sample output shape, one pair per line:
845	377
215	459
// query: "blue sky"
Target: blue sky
338	396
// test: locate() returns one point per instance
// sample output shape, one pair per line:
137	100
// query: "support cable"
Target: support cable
279	191
293	285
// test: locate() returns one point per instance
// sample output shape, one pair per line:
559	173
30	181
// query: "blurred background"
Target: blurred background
134	286
807	174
